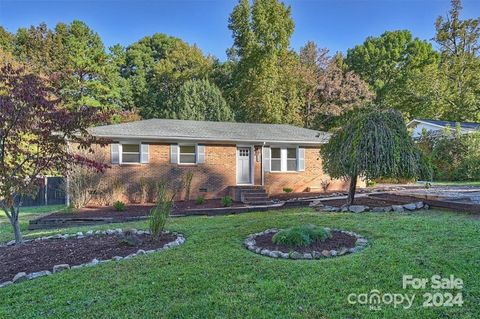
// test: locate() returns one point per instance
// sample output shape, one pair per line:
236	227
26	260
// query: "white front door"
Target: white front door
244	162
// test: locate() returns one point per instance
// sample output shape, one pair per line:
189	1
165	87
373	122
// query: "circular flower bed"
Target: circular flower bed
336	243
46	255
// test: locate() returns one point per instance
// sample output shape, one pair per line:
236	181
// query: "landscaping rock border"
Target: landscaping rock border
250	244
362	208
22	276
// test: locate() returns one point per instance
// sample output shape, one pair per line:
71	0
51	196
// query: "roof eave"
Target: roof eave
198	139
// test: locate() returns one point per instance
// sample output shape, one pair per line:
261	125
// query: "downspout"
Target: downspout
261	166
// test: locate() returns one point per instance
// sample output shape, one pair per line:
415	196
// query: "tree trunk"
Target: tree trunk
13	217
17	231
352	189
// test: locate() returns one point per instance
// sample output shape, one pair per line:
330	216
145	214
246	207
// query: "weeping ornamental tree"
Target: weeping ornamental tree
372	145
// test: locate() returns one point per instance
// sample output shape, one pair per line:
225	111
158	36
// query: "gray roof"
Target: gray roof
463	125
164	129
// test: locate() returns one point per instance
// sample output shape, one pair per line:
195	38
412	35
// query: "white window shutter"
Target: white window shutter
144	153
300	159
174	153
266	159
200	154
115	149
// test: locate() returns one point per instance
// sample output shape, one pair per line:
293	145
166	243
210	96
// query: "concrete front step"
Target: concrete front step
254	195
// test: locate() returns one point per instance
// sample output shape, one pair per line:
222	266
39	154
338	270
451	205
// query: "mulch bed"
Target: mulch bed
104	212
41	255
338	241
374	200
209	203
135	210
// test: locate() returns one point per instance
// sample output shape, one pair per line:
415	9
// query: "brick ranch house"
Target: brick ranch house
224	157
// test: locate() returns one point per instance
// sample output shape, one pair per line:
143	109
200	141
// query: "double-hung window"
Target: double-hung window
276	159
187	154
130	153
291	159
287	159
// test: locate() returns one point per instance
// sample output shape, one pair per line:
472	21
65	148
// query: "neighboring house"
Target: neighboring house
221	155
434	126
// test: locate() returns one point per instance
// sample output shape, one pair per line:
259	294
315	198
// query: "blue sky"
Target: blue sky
336	24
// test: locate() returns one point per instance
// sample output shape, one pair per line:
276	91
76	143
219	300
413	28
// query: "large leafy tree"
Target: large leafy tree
264	86
6	40
329	89
34	132
392	64
157	67
372	145
202	101
459	44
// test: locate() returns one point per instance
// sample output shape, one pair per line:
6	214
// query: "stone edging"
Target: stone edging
362	208
22	276
250	244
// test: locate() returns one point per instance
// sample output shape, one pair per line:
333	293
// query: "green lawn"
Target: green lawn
26	214
475	183
213	276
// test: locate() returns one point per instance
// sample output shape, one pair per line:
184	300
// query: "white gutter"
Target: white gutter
148	138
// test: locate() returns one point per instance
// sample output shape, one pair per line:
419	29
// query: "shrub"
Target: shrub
110	192
371	183
287	189
325	183
145	189
300	235
227	201
200	200
451	156
119	206
83	181
160	213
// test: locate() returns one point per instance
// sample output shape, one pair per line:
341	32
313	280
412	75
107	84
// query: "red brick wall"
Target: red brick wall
215	175
300	181
214	178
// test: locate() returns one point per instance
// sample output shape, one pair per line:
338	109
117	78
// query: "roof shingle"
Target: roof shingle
165	129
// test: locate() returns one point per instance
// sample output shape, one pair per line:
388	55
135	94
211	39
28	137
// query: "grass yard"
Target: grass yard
471	183
213	276
26	214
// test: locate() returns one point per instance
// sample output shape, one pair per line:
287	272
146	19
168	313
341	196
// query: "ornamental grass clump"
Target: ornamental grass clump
160	213
301	235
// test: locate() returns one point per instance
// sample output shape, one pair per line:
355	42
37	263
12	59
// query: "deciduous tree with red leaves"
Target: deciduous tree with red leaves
35	133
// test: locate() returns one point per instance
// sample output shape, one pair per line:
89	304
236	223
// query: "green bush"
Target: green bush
227	201
200	200
451	156
119	206
287	189
301	235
